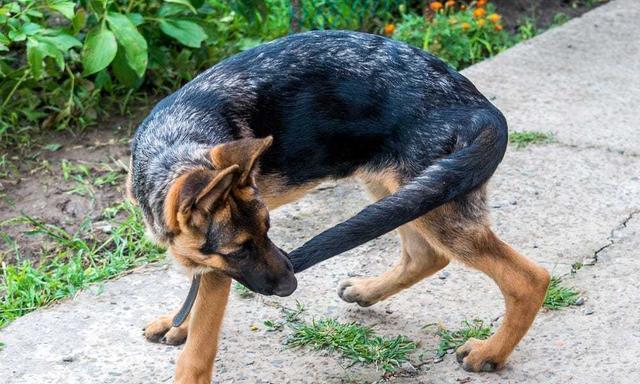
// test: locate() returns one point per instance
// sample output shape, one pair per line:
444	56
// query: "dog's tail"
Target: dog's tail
482	142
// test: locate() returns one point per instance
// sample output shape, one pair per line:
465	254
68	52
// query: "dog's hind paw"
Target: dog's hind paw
476	356
354	291
162	331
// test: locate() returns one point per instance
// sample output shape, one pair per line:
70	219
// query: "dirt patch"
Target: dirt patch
544	13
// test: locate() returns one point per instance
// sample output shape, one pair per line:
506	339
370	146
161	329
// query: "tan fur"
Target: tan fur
195	364
129	183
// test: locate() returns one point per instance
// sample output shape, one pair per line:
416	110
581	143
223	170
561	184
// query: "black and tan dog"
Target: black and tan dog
261	128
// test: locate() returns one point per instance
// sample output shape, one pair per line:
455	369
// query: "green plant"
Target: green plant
292	316
523	138
558	296
76	260
356	342
242	291
451	340
461	35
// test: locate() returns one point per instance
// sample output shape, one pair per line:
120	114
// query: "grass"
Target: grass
87	177
558	296
353	341
451	340
524	138
242	291
76	261
291	316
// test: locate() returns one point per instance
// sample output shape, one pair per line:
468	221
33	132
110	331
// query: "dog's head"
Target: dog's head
219	222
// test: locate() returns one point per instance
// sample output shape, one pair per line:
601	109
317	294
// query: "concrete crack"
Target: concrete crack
611	240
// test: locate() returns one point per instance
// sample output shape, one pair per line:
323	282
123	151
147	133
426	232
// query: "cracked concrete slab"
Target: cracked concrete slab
556	203
578	81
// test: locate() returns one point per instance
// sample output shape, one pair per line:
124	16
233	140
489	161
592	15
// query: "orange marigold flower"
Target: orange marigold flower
481	22
465	26
494	17
481	3
478	13
498	27
435	5
450	3
388	29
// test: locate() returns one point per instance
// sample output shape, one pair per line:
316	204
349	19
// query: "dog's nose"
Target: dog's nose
287	286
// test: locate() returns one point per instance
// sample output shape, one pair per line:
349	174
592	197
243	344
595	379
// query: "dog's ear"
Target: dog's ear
193	195
244	153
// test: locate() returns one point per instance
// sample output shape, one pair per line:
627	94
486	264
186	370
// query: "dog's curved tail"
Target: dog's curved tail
482	141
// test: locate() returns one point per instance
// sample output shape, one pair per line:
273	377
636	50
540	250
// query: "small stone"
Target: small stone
407	367
437	360
514	202
443	275
589	261
388	311
588	312
579	301
68	359
253	327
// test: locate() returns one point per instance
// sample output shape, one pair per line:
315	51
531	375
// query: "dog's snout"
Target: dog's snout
286	286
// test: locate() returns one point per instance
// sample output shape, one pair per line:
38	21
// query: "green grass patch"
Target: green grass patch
559	296
524	138
242	291
290	316
451	340
75	261
355	342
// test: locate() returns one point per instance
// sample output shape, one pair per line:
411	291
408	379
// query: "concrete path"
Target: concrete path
559	203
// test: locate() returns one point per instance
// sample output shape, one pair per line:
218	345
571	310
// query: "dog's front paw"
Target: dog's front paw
162	331
355	290
478	356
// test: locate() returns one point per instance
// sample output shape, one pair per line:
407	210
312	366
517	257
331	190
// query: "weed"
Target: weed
77	260
523	138
558	296
242	291
292	317
356	342
575	267
451	340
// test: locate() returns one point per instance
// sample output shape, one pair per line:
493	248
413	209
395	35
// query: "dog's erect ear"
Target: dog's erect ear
244	153
193	195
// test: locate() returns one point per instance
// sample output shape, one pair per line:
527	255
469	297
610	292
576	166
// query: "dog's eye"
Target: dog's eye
245	249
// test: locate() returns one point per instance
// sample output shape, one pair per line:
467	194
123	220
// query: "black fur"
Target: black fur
335	102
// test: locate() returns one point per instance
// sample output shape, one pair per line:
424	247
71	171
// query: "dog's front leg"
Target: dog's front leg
195	364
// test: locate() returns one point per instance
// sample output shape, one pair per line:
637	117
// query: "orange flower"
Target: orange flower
494	17
478	13
481	3
388	29
450	3
481	22
498	27
465	26
435	5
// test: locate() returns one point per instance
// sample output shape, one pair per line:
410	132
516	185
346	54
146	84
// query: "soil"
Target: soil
37	187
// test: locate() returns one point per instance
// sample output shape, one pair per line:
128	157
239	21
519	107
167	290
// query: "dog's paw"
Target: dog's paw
476	356
162	331
354	290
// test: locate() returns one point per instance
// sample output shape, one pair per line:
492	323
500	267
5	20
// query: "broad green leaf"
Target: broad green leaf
186	3
31	28
35	57
61	40
37	51
4	39
98	6
123	72
136	18
134	44
186	32
64	7
79	20
100	48
169	9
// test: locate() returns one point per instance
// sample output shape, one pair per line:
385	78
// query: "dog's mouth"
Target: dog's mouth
284	287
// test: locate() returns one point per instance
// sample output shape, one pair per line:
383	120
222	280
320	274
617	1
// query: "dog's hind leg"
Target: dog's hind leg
418	260
461	228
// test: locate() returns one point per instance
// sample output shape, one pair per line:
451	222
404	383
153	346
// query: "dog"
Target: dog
263	127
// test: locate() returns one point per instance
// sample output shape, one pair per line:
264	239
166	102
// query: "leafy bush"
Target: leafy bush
461	34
